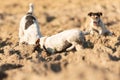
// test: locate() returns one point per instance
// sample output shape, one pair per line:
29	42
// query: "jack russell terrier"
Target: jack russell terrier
96	24
63	41
29	28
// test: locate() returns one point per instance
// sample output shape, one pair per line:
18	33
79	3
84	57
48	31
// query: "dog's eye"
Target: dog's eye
97	14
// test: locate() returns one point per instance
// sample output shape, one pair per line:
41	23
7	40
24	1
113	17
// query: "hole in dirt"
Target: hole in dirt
88	44
5	67
11	52
59	57
2	51
114	58
83	58
56	67
3	75
4	43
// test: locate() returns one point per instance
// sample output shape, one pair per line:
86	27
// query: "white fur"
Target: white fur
101	28
62	41
31	34
31	8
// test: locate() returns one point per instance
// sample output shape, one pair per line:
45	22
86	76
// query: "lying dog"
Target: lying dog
29	28
63	41
96	24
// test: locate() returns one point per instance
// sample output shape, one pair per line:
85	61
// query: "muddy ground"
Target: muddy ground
101	61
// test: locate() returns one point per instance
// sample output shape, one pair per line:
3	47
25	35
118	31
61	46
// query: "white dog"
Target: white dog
29	27
97	25
63	41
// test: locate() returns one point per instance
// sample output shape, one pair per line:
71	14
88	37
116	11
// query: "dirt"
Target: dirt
99	61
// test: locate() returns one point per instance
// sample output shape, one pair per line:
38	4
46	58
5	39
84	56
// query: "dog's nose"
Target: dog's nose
96	17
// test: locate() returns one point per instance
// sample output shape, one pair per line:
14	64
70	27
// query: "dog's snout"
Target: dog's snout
96	17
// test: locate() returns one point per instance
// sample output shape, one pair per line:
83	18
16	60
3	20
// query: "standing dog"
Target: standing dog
29	27
63	41
96	24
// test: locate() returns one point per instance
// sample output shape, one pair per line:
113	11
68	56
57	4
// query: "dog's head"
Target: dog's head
95	17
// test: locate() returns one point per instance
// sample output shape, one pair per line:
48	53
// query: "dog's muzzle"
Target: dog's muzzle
95	23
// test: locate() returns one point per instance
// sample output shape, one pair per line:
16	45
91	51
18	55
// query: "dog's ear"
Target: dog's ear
100	13
90	13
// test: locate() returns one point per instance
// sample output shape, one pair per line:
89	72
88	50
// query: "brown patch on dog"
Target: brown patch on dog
37	46
30	20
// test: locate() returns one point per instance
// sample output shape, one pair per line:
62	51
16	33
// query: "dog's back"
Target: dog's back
29	27
63	40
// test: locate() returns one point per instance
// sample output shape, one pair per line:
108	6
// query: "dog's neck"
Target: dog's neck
94	23
97	24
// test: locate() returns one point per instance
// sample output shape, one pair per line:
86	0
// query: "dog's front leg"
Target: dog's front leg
100	32
91	30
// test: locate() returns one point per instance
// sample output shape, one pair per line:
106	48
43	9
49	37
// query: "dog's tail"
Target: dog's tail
31	8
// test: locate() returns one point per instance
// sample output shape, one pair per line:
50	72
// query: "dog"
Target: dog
97	25
64	41
29	28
